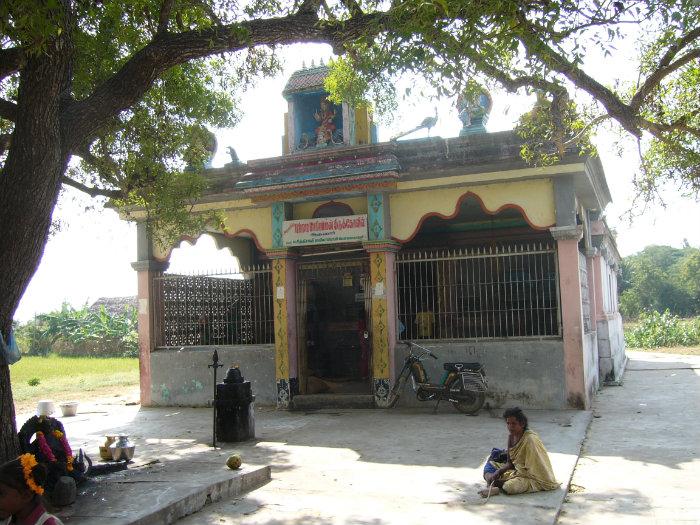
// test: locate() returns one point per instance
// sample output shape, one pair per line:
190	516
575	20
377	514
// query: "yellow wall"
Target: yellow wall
535	197
255	220
363	133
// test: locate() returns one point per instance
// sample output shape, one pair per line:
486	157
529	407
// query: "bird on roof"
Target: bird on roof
428	122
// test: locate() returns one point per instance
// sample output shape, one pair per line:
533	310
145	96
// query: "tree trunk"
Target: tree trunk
9	446
29	187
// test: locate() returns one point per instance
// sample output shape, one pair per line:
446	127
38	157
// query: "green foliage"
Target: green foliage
521	46
346	83
81	332
656	329
547	133
139	158
34	381
34	22
661	278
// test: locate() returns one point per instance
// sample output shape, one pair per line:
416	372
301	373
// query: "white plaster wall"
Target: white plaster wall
611	344
525	372
180	377
590	365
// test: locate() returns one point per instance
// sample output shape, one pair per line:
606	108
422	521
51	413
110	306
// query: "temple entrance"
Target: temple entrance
333	324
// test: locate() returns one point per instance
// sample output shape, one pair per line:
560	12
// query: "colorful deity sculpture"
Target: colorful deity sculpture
474	112
326	128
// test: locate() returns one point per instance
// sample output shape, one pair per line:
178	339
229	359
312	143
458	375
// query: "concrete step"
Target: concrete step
320	401
161	498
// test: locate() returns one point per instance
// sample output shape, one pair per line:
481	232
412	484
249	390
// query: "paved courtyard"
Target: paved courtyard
640	462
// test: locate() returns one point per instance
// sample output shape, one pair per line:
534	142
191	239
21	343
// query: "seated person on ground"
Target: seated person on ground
525	468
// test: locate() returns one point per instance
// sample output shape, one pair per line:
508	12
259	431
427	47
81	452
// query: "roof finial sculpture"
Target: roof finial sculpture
474	112
428	122
313	64
235	161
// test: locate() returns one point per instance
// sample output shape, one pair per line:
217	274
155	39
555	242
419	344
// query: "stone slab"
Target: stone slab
142	499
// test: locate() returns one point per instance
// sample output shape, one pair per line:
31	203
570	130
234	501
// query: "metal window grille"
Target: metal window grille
486	292
214	309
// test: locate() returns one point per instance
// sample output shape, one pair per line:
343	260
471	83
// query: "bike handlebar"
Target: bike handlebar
411	343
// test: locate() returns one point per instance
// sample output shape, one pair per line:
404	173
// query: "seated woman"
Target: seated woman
526	467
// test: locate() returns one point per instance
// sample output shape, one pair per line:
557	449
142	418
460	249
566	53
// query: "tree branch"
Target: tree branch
658	75
83	118
680	124
8	110
11	61
353	7
5	142
594	122
83	151
166	8
309	6
93	192
556	62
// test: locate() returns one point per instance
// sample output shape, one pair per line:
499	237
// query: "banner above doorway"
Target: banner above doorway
329	230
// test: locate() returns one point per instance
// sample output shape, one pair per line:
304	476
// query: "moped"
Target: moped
463	384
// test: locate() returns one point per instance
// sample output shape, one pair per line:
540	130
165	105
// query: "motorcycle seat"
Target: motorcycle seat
462	367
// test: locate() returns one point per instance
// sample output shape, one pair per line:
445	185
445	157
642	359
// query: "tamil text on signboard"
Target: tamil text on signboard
325	231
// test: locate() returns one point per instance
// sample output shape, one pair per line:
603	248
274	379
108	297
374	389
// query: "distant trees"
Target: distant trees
661	278
81	332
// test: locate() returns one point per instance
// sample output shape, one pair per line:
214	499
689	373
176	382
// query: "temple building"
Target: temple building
348	246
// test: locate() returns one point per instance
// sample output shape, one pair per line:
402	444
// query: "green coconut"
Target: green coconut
234	461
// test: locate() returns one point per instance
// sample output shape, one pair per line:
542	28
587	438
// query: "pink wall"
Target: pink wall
572	322
146	343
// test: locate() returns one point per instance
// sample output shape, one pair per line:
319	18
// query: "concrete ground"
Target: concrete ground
345	466
640	462
641	459
380	467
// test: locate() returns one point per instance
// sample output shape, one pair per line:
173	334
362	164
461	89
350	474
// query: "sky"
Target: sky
91	255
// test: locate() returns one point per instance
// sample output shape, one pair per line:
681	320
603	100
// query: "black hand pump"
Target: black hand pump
214	364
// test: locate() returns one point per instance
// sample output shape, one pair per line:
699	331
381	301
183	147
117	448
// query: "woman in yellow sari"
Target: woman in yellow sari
527	468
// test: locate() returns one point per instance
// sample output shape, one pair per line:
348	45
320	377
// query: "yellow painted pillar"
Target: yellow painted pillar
284	311
382	256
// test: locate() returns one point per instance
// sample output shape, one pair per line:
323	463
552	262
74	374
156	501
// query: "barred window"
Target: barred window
214	309
486	292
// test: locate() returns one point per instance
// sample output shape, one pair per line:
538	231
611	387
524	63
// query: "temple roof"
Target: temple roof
306	79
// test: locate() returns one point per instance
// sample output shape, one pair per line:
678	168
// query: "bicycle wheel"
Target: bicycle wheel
396	391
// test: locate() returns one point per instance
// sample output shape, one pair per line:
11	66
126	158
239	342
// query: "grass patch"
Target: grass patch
64	378
683	350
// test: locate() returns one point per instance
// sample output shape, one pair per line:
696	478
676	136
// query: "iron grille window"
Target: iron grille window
492	292
214	309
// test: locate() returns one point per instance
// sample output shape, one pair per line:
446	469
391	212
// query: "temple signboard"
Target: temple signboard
328	230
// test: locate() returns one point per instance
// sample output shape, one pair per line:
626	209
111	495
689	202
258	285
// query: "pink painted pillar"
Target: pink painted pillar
146	271
567	238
